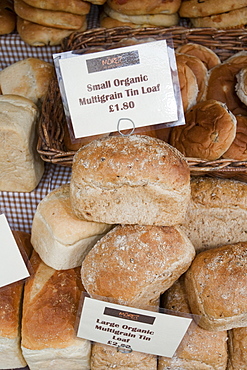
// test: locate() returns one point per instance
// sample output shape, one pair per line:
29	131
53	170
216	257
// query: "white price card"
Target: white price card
129	328
12	265
132	85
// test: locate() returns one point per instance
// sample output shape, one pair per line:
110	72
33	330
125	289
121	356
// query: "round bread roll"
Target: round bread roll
238	148
231	19
130	180
209	131
134	264
216	287
7	17
222	81
188	85
206	55
139	7
37	35
28	77
49	18
195	8
158	20
241	85
73	6
199	70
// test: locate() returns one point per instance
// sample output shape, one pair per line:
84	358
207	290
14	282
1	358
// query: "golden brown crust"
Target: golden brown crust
231	19
49	18
37	35
7	17
135	179
114	268
199	70
73	6
199	349
206	55
195	8
241	85
144	6
188	85
237	342
222	82
209	131
50	306
216	285
10	296
107	357
238	148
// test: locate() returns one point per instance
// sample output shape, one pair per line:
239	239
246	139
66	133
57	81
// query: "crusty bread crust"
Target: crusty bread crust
130	180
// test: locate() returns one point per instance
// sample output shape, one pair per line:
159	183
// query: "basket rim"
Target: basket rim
223	39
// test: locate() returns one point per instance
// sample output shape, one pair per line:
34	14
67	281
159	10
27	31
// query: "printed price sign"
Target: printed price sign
129	328
12	265
132	84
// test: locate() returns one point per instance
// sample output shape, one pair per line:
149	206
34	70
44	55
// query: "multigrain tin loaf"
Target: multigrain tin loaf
130	180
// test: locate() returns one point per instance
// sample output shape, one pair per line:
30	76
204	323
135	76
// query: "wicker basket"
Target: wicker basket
52	121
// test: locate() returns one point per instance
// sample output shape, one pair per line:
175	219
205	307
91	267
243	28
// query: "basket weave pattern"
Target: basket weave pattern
224	43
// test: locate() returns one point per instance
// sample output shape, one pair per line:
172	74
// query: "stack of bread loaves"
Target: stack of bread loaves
119	213
139	13
49	22
23	86
217	14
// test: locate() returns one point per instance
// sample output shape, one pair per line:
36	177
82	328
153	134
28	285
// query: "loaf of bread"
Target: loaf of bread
106	357
216	286
50	306
135	264
199	349
29	77
237	343
217	213
130	180
21	167
10	314
58	236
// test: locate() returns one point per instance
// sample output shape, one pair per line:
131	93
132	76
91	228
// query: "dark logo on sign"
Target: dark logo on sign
129	315
113	61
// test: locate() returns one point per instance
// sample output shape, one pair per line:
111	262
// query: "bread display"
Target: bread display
7	17
51	300
217	213
10	314
61	240
216	286
130	180
199	349
209	131
29	77
21	167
